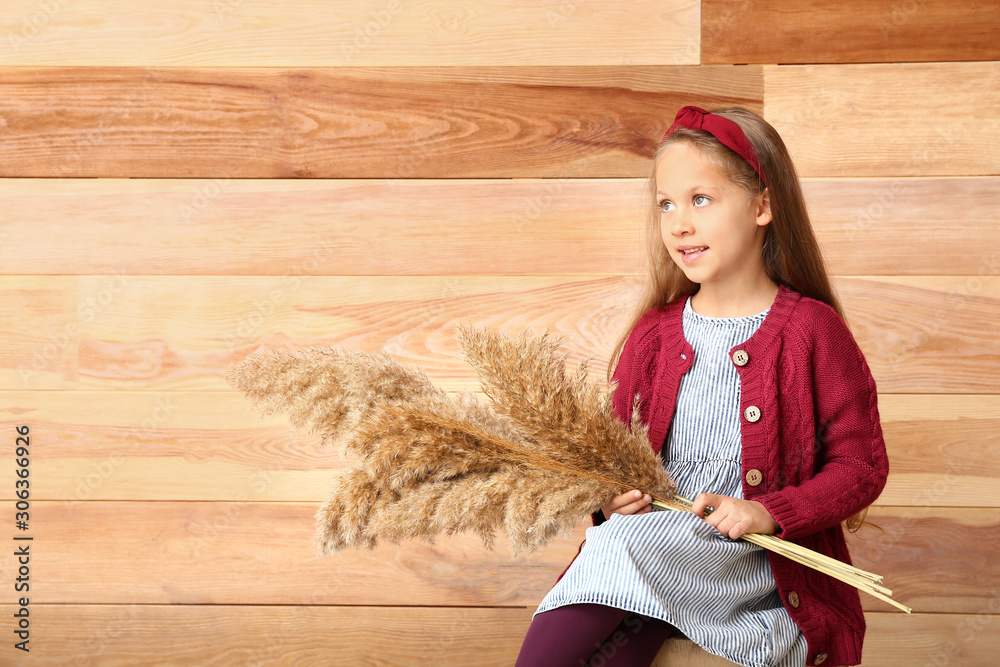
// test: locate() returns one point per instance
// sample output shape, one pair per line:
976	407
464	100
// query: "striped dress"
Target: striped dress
672	565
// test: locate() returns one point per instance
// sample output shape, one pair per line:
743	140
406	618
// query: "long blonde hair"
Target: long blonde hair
790	252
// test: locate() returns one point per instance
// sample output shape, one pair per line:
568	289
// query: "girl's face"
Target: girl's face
711	230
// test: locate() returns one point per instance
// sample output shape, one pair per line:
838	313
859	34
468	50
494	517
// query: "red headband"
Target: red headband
723	129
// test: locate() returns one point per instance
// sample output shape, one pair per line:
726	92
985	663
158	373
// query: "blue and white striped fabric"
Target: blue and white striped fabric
674	566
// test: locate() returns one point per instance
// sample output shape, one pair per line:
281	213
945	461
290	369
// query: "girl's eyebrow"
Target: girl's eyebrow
693	188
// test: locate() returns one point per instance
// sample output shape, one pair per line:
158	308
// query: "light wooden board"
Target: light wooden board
313	33
229	226
98	634
892	640
251	122
179	332
887	120
944	451
925	334
934	559
853	31
906	226
165	552
332	227
404	636
921	334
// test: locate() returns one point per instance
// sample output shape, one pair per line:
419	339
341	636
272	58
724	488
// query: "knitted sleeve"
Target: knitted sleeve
851	455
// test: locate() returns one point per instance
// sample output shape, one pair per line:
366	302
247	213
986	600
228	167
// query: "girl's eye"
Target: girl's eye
666	205
700	200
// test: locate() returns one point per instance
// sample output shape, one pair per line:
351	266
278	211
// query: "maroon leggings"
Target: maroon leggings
592	635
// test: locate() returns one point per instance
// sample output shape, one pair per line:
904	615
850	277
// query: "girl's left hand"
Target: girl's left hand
734	517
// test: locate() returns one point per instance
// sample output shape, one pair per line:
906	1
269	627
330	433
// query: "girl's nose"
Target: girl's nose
681	223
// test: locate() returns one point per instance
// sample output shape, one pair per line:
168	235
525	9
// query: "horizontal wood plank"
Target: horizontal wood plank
352	122
920	334
896	226
892	640
935	559
904	119
204	553
853	31
165	552
179	332
262	634
217	635
328	227
229	226
312	33
925	334
944	451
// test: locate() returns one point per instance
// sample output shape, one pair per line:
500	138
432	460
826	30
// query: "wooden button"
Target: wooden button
740	357
793	599
752	413
820	659
754	477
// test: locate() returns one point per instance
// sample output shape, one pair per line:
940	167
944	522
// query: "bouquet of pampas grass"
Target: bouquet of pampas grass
545	453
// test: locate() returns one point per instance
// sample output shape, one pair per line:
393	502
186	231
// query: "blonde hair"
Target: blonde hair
790	253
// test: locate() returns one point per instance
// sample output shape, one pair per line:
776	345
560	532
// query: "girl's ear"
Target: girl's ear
763	203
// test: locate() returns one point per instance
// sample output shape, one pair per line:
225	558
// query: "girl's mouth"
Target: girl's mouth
690	254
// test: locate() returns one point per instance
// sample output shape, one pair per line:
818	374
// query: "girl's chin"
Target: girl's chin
689	272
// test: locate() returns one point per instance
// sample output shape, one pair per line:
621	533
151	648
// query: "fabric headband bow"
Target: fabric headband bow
723	129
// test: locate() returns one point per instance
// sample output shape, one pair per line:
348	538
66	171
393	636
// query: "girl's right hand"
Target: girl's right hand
630	502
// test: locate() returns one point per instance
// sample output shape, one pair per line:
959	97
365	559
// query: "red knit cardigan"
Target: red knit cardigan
812	446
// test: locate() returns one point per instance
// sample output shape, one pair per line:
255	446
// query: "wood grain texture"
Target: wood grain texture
179	332
906	226
944	451
168	552
819	31
312	33
932	334
404	636
925	334
904	119
221	635
350	123
184	185
180	553
892	640
933	559
333	227
165	446
450	227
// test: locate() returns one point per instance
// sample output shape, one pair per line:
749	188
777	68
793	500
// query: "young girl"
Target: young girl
762	408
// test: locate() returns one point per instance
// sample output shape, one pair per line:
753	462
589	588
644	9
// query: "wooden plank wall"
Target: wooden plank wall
185	183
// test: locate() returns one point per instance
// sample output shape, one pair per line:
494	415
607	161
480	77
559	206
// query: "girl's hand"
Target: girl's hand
734	517
630	502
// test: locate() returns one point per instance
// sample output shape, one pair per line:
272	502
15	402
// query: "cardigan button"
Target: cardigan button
755	477
820	659
740	357
793	599
752	413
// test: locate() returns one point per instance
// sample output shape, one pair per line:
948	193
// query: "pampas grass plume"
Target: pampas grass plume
545	454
